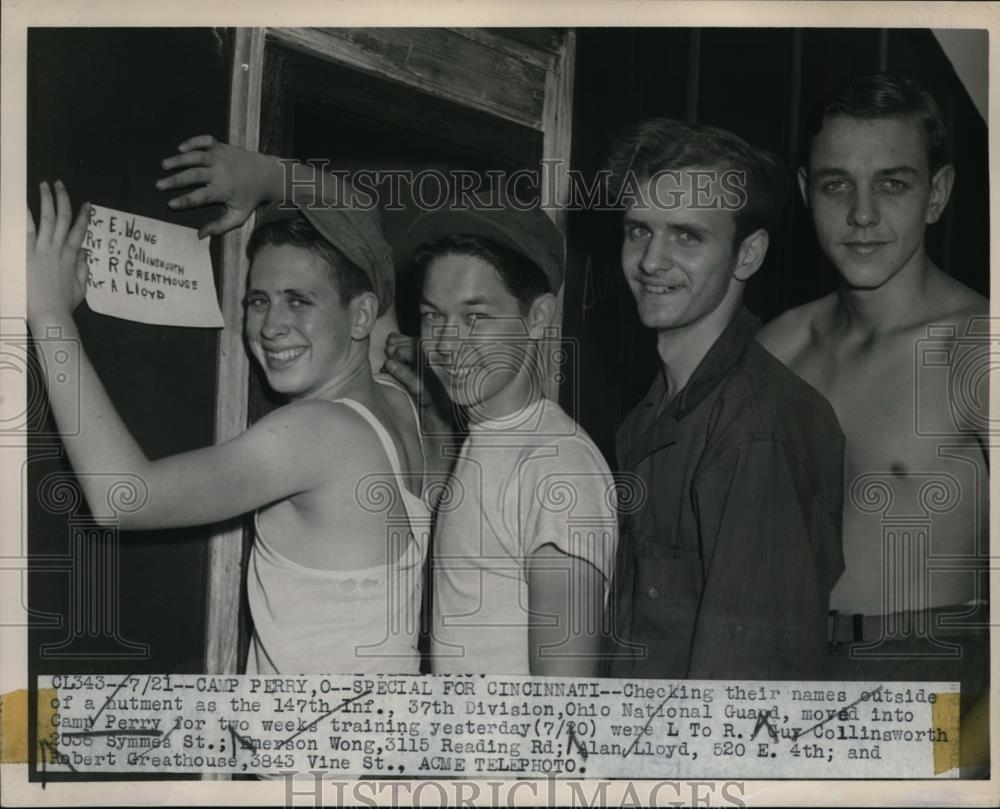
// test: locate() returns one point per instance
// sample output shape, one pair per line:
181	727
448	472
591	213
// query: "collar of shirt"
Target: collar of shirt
656	423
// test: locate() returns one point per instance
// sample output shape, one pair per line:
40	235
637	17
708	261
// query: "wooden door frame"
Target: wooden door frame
553	118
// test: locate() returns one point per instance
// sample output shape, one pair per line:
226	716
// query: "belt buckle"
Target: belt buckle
833	626
858	627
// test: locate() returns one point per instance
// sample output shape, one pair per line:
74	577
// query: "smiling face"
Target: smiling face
871	194
679	259
476	337
296	326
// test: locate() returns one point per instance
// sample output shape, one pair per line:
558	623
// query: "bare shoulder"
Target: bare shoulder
298	448
954	332
789	333
953	302
320	426
951	312
398	399
404	420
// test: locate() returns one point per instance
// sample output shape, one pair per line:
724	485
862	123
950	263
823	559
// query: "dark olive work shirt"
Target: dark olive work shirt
726	564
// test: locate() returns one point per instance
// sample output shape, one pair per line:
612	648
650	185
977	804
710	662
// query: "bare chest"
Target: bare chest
896	412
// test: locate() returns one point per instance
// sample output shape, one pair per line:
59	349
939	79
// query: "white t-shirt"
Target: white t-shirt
521	482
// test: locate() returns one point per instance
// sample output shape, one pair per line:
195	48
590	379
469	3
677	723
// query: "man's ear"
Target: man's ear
803	177
364	313
941	184
751	254
540	314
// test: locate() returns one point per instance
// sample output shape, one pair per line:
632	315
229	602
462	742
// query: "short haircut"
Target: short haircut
521	277
663	144
348	278
887	95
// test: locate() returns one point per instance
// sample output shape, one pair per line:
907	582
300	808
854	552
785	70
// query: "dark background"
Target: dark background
105	106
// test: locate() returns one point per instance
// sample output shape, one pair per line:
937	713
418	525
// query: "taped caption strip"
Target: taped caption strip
425	726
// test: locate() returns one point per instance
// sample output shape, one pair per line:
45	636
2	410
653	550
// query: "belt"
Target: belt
859	628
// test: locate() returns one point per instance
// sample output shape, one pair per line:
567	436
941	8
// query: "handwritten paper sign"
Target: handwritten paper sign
149	271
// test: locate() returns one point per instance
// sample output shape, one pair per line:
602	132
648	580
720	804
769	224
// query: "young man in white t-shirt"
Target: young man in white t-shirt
526	534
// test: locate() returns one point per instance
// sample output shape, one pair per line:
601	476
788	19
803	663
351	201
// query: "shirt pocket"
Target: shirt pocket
666	602
666	574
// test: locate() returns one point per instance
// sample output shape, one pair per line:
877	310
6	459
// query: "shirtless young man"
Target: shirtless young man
874	179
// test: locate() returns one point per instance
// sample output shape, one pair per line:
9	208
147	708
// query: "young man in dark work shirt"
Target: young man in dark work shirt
725	570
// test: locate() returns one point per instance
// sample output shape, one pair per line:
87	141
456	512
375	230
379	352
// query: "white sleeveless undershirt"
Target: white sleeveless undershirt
314	621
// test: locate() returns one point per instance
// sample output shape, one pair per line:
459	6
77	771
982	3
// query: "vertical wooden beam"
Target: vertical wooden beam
232	372
557	140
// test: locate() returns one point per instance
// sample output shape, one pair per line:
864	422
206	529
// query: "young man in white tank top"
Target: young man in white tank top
319	278
351	594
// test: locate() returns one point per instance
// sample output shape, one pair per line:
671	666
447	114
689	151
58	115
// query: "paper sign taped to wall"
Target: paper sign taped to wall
149	271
